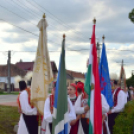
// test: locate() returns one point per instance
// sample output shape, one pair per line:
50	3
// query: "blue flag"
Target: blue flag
104	77
60	113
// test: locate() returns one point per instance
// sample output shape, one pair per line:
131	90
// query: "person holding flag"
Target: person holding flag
82	110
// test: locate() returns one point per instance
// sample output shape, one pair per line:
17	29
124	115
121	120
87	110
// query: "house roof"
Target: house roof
14	71
28	66
76	74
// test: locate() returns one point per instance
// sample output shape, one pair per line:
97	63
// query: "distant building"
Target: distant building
14	72
28	66
73	76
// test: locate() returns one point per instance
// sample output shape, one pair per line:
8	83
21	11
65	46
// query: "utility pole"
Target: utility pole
9	72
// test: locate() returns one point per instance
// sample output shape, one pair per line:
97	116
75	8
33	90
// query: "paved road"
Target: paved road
8	98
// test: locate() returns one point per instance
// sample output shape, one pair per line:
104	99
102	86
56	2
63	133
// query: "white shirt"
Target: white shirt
121	101
26	109
105	106
48	116
80	110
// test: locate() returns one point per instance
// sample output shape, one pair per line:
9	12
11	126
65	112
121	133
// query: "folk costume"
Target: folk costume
80	104
120	100
48	112
74	128
79	109
28	123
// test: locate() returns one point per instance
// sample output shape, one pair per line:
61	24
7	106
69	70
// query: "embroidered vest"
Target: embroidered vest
29	101
116	95
84	102
51	103
73	100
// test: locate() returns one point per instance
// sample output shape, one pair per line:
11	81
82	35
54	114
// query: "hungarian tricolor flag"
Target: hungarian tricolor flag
92	88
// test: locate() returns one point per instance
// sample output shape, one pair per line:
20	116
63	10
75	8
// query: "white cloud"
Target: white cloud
112	21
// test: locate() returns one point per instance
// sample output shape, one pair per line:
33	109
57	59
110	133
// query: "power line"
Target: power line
37	14
23	7
21	16
26	30
17	15
20	28
57	19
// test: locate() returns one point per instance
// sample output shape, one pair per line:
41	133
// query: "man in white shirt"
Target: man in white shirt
48	113
28	123
120	100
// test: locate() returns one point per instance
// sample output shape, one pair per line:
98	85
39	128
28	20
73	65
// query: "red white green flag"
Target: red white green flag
92	88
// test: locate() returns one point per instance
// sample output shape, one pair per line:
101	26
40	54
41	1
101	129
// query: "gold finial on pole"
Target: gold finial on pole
94	21
103	38
44	16
64	36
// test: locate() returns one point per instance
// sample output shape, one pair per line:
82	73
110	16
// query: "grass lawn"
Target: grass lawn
9	117
5	93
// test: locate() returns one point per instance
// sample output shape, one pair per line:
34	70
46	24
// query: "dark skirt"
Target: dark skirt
111	121
31	123
85	125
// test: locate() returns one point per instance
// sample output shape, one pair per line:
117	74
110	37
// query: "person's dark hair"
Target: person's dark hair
22	85
79	90
115	82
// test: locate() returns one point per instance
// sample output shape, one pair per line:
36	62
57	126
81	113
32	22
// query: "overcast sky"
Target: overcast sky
74	18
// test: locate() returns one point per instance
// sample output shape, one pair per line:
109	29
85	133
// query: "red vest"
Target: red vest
116	95
29	101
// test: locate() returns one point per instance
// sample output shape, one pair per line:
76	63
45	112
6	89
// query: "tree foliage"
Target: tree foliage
130	81
131	15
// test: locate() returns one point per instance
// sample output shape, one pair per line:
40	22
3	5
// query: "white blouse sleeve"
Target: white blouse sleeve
47	112
105	106
77	106
72	115
121	101
25	107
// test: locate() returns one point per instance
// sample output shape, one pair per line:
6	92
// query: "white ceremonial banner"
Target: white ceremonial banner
42	71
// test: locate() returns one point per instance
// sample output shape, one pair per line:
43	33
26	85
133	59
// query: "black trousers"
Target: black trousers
111	121
31	123
85	125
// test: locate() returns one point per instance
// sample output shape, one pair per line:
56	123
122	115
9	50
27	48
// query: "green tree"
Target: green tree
130	81
131	15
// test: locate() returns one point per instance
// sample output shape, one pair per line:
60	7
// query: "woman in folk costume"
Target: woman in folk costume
82	108
72	91
48	112
28	123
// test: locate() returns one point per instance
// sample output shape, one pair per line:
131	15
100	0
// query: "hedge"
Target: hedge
124	123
